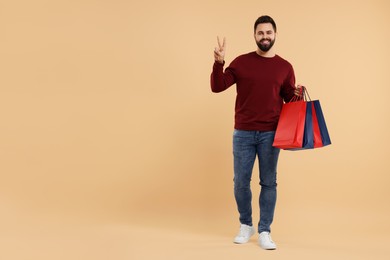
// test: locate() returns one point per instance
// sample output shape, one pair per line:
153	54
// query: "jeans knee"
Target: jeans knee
269	184
241	184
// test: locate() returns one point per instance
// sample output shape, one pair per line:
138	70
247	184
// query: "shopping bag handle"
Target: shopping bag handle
303	95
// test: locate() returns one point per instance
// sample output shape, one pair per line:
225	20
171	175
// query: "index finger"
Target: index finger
223	43
219	43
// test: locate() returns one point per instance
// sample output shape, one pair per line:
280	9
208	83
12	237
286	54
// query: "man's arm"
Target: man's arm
289	89
219	80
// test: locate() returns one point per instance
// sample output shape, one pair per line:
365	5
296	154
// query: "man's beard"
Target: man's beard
265	47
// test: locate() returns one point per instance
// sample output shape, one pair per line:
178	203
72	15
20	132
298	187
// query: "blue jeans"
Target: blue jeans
246	145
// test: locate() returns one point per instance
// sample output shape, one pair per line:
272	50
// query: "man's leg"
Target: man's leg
268	160
244	151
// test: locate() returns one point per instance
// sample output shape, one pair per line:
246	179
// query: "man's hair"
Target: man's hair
265	19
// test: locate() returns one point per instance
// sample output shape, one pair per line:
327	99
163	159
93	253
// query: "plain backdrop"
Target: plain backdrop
107	119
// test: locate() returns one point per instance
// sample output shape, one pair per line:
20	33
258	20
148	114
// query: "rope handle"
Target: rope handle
303	95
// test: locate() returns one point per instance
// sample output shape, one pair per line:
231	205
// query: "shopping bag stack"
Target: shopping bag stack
301	124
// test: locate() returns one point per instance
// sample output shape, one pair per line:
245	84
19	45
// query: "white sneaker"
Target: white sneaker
265	241
244	234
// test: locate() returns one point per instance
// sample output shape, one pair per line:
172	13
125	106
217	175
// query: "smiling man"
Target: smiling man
264	81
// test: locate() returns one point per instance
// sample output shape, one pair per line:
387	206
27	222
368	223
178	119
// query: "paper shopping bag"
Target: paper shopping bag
317	140
308	133
300	129
325	138
311	134
291	125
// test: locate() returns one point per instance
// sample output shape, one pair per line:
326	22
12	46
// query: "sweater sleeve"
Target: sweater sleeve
288	87
220	80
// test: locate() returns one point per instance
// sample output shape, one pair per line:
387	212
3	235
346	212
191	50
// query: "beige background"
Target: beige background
112	145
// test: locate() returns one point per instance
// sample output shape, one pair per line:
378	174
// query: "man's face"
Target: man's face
265	36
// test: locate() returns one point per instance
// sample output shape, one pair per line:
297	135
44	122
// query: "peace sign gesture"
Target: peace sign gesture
219	52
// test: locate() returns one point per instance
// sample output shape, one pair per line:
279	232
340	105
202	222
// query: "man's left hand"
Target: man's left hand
298	90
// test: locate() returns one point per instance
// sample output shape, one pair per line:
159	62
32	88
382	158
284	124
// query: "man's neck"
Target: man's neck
267	54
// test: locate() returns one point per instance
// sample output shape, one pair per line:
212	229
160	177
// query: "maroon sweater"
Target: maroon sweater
262	86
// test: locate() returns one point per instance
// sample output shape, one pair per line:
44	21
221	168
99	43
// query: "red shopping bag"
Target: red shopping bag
323	130
316	128
291	126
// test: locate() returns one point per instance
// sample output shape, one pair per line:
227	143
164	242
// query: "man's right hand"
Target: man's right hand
219	52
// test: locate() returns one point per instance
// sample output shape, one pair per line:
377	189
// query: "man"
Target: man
263	80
